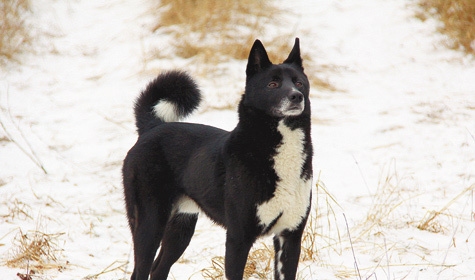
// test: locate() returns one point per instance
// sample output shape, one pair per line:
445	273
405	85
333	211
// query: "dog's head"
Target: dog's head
280	90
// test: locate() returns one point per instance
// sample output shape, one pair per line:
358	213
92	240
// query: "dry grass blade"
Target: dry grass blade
309	244
216	271
29	152
428	222
357	269
458	17
16	209
109	268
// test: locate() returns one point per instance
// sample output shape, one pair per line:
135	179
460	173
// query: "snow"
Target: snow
395	142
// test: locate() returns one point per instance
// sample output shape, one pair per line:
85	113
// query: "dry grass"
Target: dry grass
458	17
211	32
197	23
321	222
16	210
14	35
115	266
393	192
259	265
374	235
430	222
390	195
216	270
310	240
35	251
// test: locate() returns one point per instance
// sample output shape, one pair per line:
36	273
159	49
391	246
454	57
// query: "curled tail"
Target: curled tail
170	97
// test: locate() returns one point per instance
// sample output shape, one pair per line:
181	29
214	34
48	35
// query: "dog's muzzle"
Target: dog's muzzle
293	104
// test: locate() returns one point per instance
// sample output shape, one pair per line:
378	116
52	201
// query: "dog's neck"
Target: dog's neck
261	130
253	119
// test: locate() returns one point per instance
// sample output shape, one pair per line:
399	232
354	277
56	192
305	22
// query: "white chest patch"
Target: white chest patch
292	193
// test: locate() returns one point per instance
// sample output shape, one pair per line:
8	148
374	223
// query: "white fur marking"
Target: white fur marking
292	193
187	205
278	259
167	111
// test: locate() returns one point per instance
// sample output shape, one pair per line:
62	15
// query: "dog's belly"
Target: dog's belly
289	205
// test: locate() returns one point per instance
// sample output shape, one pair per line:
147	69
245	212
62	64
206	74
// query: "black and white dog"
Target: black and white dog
255	180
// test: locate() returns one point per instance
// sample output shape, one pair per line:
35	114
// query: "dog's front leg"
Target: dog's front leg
237	250
287	253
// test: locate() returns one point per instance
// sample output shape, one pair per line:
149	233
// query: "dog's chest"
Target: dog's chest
286	209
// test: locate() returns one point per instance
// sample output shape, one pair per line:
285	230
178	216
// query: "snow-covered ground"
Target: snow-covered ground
394	145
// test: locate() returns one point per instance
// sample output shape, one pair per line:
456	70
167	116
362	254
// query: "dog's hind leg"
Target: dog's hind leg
147	234
176	238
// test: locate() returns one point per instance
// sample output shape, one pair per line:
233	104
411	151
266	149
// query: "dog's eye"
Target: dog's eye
272	85
299	84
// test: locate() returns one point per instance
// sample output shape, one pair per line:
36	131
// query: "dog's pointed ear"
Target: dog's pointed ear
258	59
294	56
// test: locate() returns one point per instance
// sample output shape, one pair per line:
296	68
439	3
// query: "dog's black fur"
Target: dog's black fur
254	180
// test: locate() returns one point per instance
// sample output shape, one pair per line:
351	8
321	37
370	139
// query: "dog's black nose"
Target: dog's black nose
295	97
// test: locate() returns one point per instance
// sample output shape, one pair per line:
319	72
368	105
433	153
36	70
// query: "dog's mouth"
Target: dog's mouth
289	110
295	108
294	111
